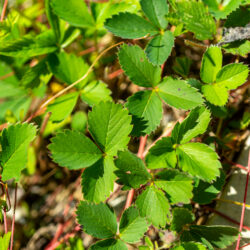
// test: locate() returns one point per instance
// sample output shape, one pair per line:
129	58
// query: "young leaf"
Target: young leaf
79	121
74	150
218	236
15	141
195	124
190	246
162	155
28	46
211	64
110	244
177	185
156	12
182	67
199	160
146	110
68	67
205	192
97	219
232	75
215	94
132	226
137	67
77	15
5	240
132	171
95	92
178	94
130	26
160	47
181	217
109	125
98	180
62	107
153	205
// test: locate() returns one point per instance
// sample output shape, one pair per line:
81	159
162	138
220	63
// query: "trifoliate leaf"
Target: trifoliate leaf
77	15
137	67
160	47
162	155
110	244
196	18
199	160
217	236
15	141
153	205
109	125
132	171
28	46
156	12
211	64
190	246
98	180
130	26
62	107
132	226
94	92
181	217
232	75
215	94
177	185
179	94
195	124
221	9
146	110
74	150
97	219
182	66
68	67
205	192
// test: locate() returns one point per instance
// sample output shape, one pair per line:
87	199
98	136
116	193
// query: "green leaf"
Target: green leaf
233	19
217	236
196	123
68	67
53	20
4	241
241	48
74	150
162	155
221	9
62	107
199	160
129	26
146	110
182	66
132	225
232	75
181	217
132	171
95	92
215	94
211	64
15	141
196	19
28	46
137	67
190	246
79	121
156	12
153	205
74	12
109	244
177	185
98	180
109	125
97	219
205	192
177	93
160	47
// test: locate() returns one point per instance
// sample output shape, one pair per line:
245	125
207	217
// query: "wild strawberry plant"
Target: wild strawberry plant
176	171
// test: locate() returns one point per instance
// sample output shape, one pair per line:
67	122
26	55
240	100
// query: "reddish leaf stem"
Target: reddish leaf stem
4	10
13	219
6	76
244	204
